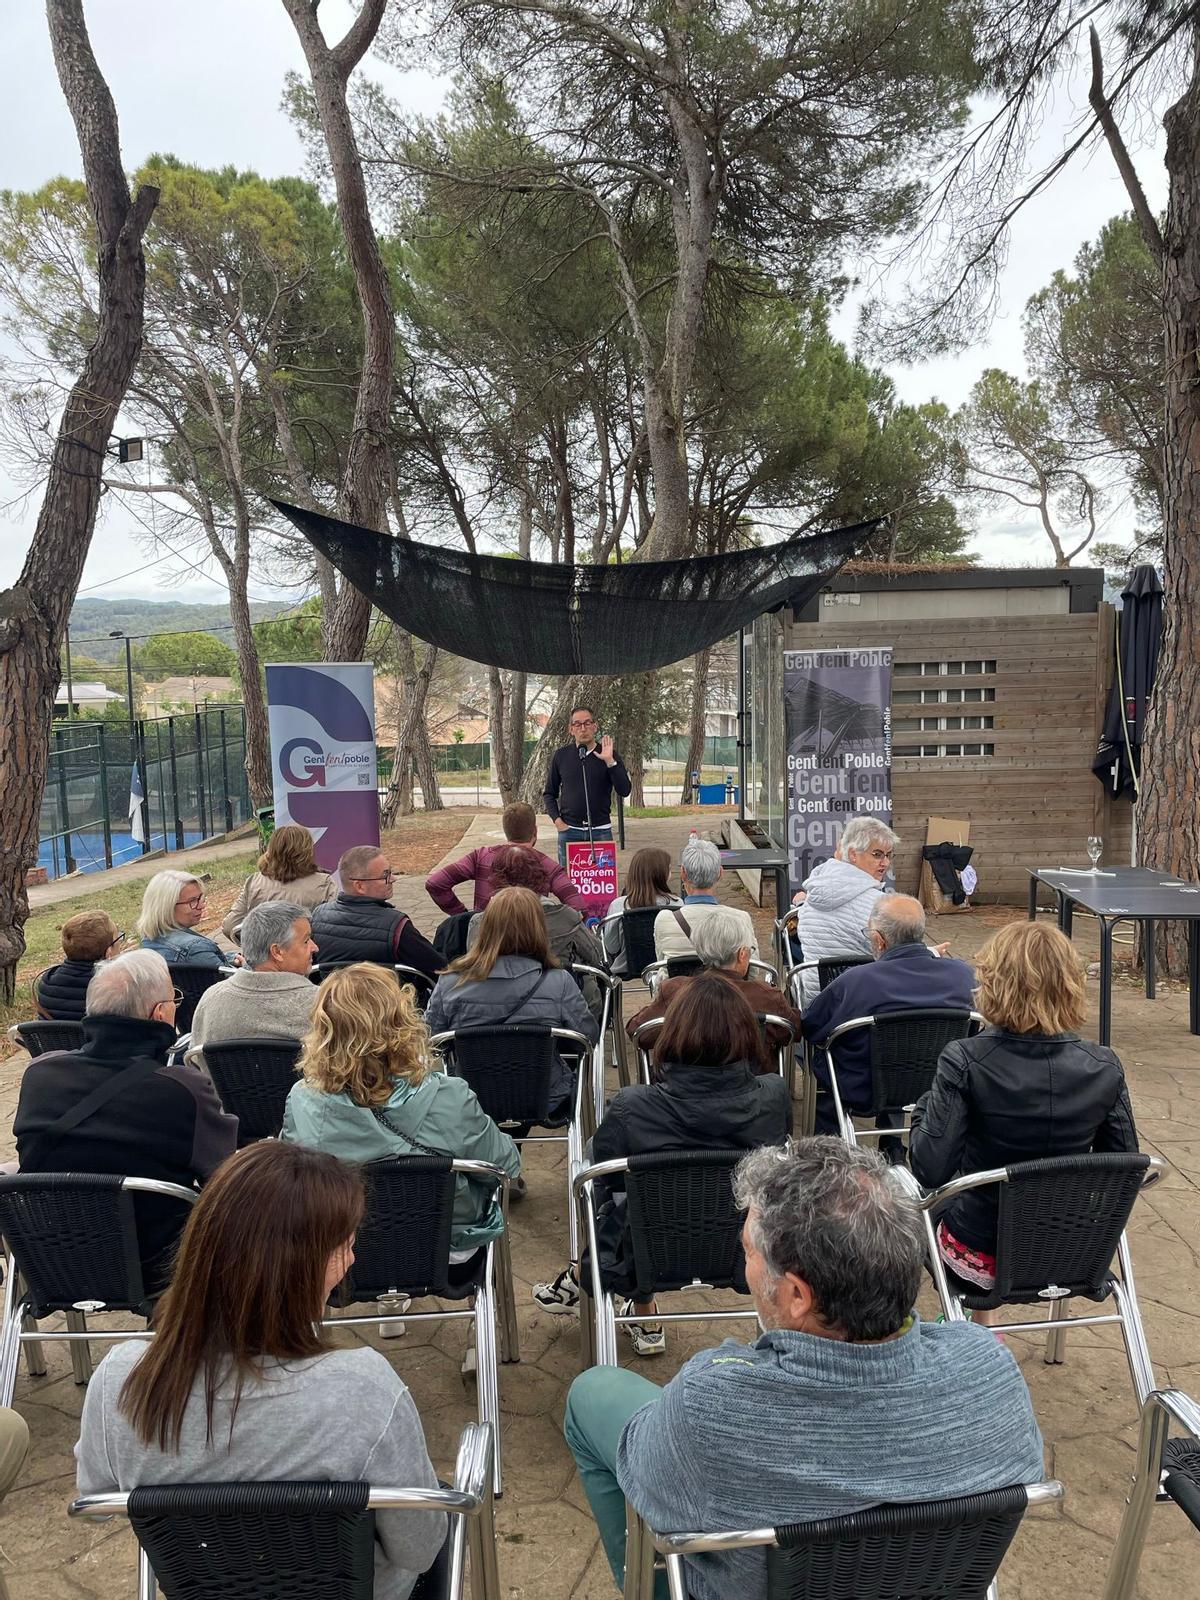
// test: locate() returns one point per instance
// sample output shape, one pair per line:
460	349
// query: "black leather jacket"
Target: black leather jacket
1003	1097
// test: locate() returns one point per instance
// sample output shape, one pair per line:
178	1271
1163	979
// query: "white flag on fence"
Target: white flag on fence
137	801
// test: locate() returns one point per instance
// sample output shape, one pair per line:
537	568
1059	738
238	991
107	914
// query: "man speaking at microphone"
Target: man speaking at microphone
580	784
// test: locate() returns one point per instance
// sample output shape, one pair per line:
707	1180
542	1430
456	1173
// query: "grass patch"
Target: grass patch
657	811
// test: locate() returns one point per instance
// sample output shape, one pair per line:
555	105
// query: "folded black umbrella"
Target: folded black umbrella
534	616
1118	758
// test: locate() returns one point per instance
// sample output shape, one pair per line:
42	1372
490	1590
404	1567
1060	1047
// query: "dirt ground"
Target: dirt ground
548	1544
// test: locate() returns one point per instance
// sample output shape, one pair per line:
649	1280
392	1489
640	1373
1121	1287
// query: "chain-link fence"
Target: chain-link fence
194	775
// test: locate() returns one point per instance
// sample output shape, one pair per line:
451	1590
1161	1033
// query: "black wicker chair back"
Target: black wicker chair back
40	1037
683	1223
684	966
252	1078
831	967
509	1068
1060	1222
403	1241
1181	1479
421	984
934	1550
73	1237
192	982
905	1046
637	930
258	1541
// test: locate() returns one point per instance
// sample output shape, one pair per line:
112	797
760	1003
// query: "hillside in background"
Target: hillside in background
93	620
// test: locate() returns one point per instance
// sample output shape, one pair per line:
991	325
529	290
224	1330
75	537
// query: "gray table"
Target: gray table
1127	894
776	861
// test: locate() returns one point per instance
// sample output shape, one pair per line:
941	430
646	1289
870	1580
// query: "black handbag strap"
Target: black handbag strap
525	998
385	1121
82	1109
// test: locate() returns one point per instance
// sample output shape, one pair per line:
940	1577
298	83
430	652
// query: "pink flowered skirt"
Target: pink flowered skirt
975	1266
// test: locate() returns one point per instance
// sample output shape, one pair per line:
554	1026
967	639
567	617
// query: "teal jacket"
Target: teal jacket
442	1113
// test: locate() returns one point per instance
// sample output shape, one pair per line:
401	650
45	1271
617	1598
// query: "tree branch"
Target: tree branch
1146	219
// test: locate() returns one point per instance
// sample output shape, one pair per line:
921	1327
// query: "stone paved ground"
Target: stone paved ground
548	1545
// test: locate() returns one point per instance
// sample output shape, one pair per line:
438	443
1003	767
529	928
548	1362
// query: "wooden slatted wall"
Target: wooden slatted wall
1034	801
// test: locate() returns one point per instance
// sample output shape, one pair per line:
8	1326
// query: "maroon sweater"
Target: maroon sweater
477	866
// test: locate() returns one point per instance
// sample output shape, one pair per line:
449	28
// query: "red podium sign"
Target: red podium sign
592	868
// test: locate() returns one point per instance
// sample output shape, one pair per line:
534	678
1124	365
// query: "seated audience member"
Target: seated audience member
905	975
14	1447
710	1095
1026	1088
87	938
720	942
846	1400
270	996
239	1382
362	924
840	895
157	1120
511	976
519	823
516	867
699	869
171	907
647	883
286	871
371	1090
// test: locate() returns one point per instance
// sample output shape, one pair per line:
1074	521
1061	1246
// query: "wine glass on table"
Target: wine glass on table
1095	849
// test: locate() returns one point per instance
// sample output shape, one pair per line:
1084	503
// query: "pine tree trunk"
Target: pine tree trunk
410	733
498	732
518	692
1169	807
694	759
34	613
426	766
258	733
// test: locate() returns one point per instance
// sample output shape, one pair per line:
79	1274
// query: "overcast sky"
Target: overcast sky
202	79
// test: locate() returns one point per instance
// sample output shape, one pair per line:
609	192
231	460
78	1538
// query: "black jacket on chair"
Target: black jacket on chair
357	927
1001	1098
61	991
167	1123
691	1108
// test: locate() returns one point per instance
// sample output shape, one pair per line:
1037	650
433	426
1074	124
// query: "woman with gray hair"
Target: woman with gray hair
840	895
172	905
271	996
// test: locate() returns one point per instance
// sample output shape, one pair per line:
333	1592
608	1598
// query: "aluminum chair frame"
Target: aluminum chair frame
598	1333
610	1028
421	981
1128	1314
641	1543
1160	1408
492	1309
581	1126
781	932
469	1502
846	1128
19	1328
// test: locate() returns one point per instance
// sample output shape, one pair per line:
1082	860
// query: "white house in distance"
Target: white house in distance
84	697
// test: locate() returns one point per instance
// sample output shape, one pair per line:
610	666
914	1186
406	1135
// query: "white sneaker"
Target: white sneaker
648	1337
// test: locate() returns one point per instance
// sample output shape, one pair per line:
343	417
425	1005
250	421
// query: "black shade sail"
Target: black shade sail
536	617
1118	760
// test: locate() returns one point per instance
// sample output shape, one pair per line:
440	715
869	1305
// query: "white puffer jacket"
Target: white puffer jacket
833	918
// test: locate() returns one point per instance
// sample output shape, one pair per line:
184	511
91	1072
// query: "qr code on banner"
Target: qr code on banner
364	780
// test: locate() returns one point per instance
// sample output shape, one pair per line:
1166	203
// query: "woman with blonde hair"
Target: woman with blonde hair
240	1383
288	871
510	975
370	1089
1026	1088
171	907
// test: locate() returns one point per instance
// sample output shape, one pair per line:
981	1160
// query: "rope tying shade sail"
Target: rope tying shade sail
537	617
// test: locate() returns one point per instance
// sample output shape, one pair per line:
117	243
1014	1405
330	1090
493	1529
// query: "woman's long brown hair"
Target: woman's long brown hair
249	1281
513	924
648	877
708	1023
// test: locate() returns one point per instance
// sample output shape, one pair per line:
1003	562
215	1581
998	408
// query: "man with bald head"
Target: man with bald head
905	975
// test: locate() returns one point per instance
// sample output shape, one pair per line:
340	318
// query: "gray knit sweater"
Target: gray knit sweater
252	1005
795	1427
344	1416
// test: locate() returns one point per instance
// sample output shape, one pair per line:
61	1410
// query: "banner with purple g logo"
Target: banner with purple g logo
322	721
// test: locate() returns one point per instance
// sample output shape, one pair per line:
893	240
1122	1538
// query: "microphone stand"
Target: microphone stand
587	802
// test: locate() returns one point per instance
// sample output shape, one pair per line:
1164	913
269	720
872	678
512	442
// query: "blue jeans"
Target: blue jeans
601	832
599	1404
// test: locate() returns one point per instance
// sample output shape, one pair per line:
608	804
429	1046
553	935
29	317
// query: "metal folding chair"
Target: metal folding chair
510	1067
253	1078
785	1054
610	1031
827	968
905	1046
192	983
278	1541
40	1037
1060	1223
402	1248
72	1247
927	1550
1167	1470
685	1231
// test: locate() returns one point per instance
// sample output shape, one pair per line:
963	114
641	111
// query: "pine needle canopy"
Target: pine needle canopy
534	616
